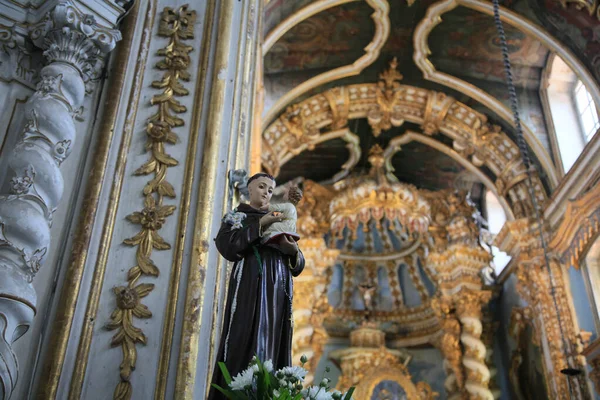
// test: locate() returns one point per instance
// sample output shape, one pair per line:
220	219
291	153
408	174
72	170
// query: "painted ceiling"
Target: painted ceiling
464	45
330	39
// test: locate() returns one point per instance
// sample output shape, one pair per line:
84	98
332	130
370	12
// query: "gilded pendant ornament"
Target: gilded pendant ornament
177	26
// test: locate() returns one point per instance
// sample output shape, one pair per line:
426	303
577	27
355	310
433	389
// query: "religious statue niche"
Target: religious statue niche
526	374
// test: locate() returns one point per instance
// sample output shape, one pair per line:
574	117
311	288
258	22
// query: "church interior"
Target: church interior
448	155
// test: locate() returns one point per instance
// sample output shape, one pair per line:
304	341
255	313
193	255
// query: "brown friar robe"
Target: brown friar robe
258	315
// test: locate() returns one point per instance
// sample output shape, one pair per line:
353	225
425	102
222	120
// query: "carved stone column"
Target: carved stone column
458	260
460	342
74	46
448	342
487	336
468	309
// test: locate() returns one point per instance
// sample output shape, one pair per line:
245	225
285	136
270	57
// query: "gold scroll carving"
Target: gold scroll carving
177	26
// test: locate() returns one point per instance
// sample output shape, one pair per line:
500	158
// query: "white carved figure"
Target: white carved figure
367	290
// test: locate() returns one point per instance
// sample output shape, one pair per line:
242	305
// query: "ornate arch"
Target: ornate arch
389	103
399	375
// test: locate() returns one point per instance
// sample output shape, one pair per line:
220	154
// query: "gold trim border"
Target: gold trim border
194	300
476	135
433	17
177	25
162	373
63	321
579	228
382	30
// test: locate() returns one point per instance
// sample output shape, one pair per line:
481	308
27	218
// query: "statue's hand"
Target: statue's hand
271	217
288	246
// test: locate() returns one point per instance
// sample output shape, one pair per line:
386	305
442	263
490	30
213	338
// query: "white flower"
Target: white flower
295	371
276	393
268	365
242	380
316	393
255	368
234	219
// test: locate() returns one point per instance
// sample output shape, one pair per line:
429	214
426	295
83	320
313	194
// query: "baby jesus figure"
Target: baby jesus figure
287	226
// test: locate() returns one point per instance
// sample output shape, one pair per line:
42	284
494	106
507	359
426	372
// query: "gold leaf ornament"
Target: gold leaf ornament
176	25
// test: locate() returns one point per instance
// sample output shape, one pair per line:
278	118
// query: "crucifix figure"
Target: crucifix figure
367	289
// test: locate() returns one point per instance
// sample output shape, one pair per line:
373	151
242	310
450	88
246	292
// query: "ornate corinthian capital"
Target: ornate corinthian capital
68	35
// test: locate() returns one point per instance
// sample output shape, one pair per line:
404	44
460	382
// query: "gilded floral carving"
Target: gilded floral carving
177	26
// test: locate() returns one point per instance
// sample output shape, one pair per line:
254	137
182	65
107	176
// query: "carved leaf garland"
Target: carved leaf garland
176	25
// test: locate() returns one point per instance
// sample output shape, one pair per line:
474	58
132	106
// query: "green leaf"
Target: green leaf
225	373
262	384
228	393
349	394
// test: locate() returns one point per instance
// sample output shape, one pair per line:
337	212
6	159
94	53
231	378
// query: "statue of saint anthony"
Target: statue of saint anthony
258	315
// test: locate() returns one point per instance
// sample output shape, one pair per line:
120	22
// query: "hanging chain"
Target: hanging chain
528	165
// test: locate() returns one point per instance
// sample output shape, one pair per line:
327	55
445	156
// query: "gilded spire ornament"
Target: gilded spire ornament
383	116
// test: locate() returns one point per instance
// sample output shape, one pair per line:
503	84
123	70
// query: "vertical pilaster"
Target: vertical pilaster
487	337
448	342
226	121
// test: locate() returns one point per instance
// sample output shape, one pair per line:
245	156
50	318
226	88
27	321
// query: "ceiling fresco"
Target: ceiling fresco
278	10
464	45
319	164
330	39
577	29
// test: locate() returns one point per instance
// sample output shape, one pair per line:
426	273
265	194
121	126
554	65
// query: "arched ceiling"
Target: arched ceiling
463	45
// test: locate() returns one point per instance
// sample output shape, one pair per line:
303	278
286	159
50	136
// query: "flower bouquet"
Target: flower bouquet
260	382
